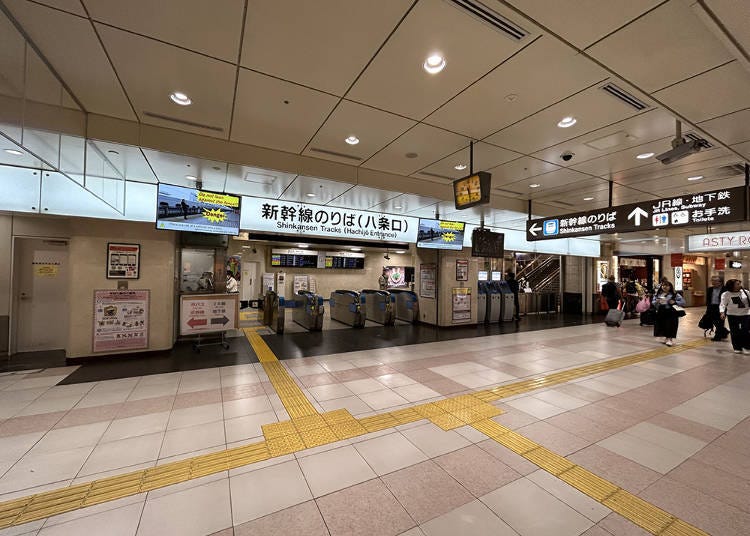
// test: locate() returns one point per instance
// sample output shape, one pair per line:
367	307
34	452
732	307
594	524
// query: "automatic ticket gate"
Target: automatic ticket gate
500	306
507	310
379	306
345	307
273	311
407	305
482	294
308	310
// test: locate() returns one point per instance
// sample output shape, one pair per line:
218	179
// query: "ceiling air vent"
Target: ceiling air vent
436	175
703	143
334	153
494	19
725	172
624	96
183	121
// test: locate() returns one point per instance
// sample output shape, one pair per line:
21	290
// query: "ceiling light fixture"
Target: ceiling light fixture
352	140
643	156
696	178
588	198
356	249
398	207
191	178
460	167
310	195
14	152
434	64
400	251
535	185
303	246
567	122
180	98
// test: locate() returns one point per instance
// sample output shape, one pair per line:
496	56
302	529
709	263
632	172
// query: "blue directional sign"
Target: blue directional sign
551	227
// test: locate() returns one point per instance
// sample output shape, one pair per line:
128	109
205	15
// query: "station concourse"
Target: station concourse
343	268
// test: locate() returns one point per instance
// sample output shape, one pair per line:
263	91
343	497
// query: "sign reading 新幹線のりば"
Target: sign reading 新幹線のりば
706	208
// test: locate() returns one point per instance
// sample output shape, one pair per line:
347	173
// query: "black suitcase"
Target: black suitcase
614	318
648	317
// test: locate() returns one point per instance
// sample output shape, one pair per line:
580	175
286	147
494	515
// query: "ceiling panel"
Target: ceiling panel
374	129
323	44
733	16
428	143
314	190
561	177
256	182
81	62
443	207
593	109
584	21
731	128
743	149
710	164
406	203
212	28
395	80
519	169
486	157
665	46
263	117
174	169
72	6
518	88
162	69
626	159
363	198
727	85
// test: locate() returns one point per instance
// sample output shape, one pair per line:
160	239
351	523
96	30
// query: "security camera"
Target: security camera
567	156
255	250
386	257
199	184
679	150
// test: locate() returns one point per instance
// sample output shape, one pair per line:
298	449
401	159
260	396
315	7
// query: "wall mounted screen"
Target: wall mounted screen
440	234
187	209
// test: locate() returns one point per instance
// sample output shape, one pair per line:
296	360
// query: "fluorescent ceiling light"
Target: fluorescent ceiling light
643	156
310	195
399	251
535	185
180	98
14	152
434	64
398	207
460	167
304	246
588	198
356	249
567	122
696	178
191	178
352	140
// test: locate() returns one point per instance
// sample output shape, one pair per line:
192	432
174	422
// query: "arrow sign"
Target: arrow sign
533	229
223	321
197	322
637	214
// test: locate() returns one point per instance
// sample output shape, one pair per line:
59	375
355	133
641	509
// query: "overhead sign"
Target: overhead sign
207	313
706	208
273	215
472	190
719	241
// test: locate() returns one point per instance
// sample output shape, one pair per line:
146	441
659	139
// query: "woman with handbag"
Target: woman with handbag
669	308
735	304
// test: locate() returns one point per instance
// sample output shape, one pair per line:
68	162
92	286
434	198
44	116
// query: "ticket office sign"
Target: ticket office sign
706	208
120	320
208	313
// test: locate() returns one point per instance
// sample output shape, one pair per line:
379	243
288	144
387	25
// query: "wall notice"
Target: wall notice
123	261
461	304
427	280
208	313
120	320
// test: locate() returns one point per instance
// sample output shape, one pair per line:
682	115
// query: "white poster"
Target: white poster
301	282
120	320
427	280
207	313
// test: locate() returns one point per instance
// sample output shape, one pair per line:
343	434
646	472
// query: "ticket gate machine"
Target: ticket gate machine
273	311
482	295
379	306
507	310
407	305
345	307
308	310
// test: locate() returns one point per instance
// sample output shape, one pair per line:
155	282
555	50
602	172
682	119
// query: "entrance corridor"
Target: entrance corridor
579	430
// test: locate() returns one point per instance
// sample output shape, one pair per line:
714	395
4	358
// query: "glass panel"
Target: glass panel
12	61
197	270
20	189
103	178
43	100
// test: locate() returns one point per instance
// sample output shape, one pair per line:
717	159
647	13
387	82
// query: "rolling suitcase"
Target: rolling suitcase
614	317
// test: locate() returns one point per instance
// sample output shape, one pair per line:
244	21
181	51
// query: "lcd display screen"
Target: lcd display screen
198	211
440	234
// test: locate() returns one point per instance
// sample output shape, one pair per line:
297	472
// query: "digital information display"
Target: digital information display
440	234
302	258
472	190
198	211
486	243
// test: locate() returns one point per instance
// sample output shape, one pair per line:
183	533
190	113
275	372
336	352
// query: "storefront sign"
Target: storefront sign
273	215
462	270
120	320
123	261
678	278
719	241
676	259
427	280
720	263
461	305
718	206
207	313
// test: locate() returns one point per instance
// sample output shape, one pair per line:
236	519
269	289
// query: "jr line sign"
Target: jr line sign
717	206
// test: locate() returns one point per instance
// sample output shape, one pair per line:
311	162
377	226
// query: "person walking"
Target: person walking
735	305
667	319
611	293
510	277
713	300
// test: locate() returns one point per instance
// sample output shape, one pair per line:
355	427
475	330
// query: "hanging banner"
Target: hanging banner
273	215
120	320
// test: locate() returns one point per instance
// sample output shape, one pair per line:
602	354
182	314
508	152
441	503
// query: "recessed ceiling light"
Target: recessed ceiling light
14	152
352	140
303	246
588	198
400	251
398	207
567	122
434	64
535	185
411	155
696	178
460	167
191	178
310	195
656	236
180	98
356	249
643	156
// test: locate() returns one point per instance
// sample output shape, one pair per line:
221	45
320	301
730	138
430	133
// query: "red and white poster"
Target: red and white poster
120	320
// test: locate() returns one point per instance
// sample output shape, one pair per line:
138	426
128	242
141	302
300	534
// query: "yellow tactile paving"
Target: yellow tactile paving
308	428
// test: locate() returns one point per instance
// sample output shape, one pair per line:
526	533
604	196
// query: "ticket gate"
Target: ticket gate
273	311
379	306
407	305
508	308
482	293
308	310
346	308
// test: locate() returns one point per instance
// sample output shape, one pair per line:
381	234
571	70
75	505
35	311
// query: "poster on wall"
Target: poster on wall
427	280
123	261
301	282
461	301
208	313
398	276
120	320
462	269
602	272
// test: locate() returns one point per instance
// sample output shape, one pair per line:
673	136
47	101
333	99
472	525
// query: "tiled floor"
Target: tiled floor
673	430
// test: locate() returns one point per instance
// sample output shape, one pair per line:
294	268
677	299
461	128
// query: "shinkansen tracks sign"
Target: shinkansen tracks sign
706	208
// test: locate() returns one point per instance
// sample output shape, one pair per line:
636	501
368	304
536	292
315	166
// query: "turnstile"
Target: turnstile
378	305
346	308
407	305
273	311
308	310
508	308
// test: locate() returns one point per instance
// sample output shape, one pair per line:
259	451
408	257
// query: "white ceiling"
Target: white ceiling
299	77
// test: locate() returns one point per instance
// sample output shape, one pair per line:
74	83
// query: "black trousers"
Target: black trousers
666	323
713	313
738	327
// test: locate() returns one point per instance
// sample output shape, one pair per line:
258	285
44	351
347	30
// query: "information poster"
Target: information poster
123	261
462	270
301	282
120	320
208	313
427	280
461	304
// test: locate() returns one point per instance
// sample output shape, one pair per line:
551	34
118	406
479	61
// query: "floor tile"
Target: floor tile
192	438
247	426
181	418
378	400
330	391
519	504
300	520
644	452
31	471
457	369
365	385
473	519
617	525
13	447
367	509
669	439
477	470
136	426
727	487
535	407
619	470
395	379
70	438
508	457
123	453
353	404
434	441
389	453
416	392
583	504
333	470
553	438
561	400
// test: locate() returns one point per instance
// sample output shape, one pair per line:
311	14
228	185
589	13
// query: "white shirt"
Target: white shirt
730	303
232	285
